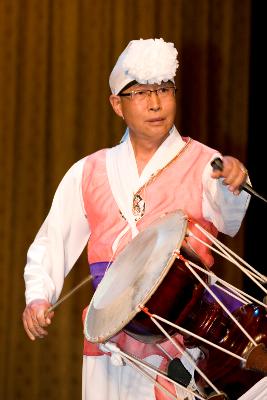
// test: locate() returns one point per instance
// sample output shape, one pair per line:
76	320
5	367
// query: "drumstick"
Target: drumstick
218	164
86	280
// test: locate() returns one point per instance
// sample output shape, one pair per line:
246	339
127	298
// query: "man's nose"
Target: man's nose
154	101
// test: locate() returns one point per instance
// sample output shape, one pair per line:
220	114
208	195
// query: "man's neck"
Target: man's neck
144	149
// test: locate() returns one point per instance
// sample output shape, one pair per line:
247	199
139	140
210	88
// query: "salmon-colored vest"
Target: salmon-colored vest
178	186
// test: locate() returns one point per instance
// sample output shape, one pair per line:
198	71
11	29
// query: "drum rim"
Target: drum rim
107	335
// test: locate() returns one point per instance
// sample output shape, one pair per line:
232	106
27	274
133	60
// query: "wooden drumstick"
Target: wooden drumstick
86	280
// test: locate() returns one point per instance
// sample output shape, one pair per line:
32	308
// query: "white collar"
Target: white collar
123	174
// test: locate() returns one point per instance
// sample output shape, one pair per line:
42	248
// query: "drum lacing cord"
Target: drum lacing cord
242	295
179	348
226	253
137	364
179	328
239	294
187	263
231	255
172	359
150	378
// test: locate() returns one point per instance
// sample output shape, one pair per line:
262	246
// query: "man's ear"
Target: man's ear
115	101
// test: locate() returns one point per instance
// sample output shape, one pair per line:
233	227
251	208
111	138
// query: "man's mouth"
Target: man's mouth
155	120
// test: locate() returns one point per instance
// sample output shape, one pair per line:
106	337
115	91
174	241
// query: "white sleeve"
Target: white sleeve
60	240
220	206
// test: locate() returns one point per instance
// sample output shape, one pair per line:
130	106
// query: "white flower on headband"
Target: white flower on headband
150	61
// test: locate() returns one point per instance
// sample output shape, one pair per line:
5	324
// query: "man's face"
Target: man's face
147	114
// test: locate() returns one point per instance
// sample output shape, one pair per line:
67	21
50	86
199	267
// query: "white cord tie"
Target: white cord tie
112	348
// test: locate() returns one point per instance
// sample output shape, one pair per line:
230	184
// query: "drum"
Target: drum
147	272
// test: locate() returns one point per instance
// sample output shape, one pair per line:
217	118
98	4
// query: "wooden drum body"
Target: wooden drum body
147	273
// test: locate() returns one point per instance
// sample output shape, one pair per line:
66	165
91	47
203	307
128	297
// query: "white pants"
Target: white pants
104	381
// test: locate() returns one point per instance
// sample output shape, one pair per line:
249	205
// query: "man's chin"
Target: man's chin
159	129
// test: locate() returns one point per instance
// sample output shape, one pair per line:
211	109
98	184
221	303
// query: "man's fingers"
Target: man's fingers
31	336
40	317
33	327
234	174
35	318
48	317
236	178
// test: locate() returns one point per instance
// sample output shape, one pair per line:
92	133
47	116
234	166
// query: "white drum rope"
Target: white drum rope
137	365
242	296
232	260
215	278
247	295
240	292
253	274
182	351
218	301
228	292
149	377
163	350
229	251
178	327
150	368
224	253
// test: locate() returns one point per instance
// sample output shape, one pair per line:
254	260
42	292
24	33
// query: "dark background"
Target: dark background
255	237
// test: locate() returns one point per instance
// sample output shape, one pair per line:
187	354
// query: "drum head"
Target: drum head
134	277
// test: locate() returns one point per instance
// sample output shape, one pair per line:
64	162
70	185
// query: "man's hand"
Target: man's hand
36	317
234	172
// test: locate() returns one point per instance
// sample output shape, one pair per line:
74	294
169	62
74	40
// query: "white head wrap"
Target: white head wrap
144	61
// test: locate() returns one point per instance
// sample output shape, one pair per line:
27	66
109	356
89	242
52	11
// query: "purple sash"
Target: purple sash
98	270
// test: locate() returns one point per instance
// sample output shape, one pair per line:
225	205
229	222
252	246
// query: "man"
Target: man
106	198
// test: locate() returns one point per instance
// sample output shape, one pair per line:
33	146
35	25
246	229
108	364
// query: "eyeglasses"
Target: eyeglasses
163	92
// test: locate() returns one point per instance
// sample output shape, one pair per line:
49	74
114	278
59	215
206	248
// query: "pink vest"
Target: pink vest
179	186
